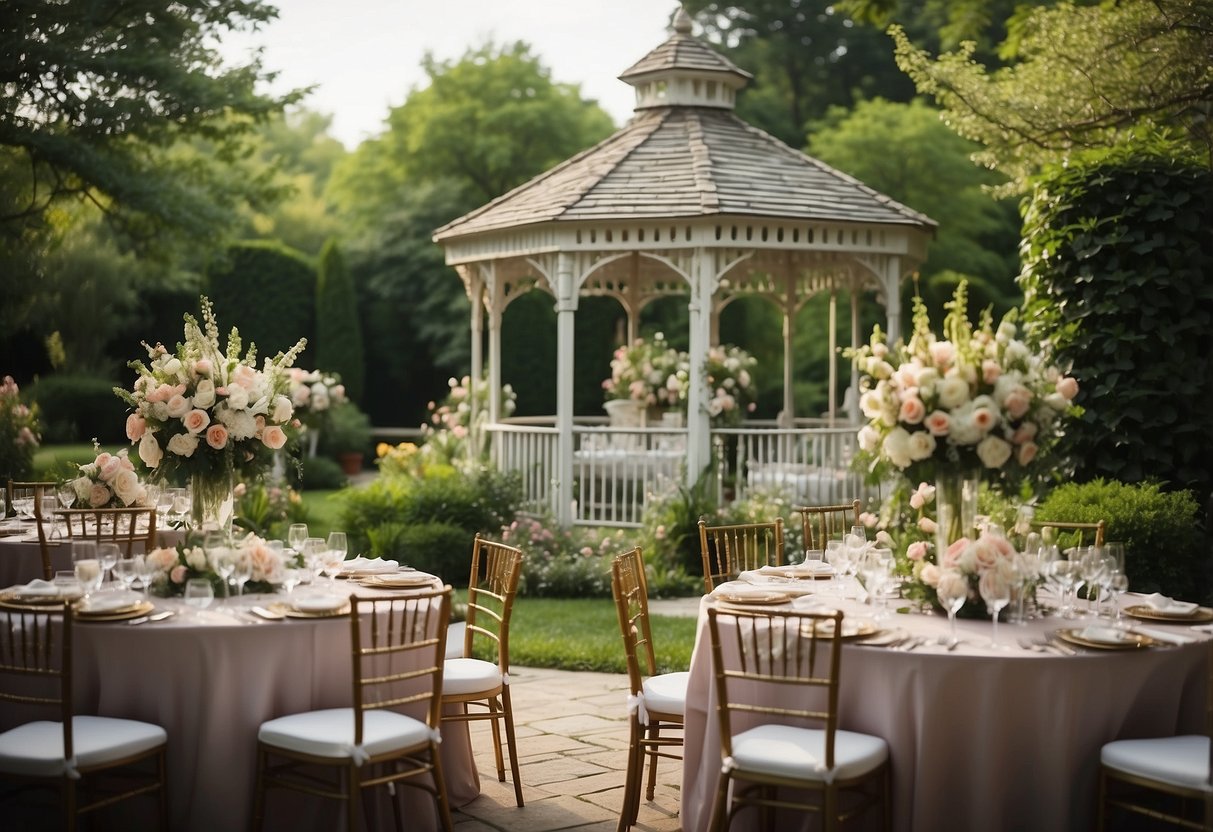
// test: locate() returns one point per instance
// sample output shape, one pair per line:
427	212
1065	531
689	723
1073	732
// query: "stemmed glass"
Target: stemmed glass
291	578
164	503
66	494
86	565
1090	569
296	535
313	556
952	593
836	557
146	571
108	554
183	503
1118	585
339	547
242	571
995	590
127	571
199	594
223	558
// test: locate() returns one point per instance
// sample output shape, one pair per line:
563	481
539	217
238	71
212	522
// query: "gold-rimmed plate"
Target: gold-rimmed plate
1105	638
294	612
851	629
18	599
140	608
1147	613
398	580
753	599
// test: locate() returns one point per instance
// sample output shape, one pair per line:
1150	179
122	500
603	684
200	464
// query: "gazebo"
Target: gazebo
686	199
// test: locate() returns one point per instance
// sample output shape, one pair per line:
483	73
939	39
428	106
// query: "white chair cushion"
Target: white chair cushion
464	676
36	748
454	639
787	751
1180	761
666	693
330	733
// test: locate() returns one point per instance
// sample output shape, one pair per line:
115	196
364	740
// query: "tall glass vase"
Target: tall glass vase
956	506
212	503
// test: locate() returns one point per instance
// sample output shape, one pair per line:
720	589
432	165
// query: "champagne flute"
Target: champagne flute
296	535
952	592
199	594
995	590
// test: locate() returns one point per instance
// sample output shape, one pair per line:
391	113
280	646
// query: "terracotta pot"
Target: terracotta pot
351	463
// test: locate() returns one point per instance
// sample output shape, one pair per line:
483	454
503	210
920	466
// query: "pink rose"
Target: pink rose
1026	453
102	460
953	553
178	406
938	423
202	366
135	427
1025	433
245	376
942	354
922	495
196	420
216	436
927	525
930	574
868	519
98	495
990	371
273	437
1068	387
161	559
110	468
1017	402
984	419
917	550
912	410
177	575
985	553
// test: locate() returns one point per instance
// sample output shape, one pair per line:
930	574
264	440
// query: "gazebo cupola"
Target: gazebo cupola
683	71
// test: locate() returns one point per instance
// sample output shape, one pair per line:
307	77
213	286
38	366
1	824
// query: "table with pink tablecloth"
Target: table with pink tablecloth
21	555
211	681
980	738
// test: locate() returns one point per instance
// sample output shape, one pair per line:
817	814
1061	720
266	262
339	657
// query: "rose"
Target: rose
990	371
922	445
183	444
177	575
98	495
897	447
912	410
993	452
952	554
943	353
126	486
917	550
196	558
1026	452
938	423
237	397
922	495
110	468
204	393
135	427
161	559
203	368
216	437
1024	433
984	419
953	391
273	437
196	420
244	376
178	406
930	574
282	409
1068	387
927	525
149	450
1017	401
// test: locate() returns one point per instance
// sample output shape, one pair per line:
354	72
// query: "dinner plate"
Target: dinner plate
850	629
753	598
1105	638
140	608
17	598
100	605
400	580
1148	613
798	573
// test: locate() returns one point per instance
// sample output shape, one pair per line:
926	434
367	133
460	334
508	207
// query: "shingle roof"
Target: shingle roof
682	52
686	162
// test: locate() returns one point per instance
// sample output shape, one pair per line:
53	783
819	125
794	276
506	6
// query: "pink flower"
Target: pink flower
938	423
984	419
202	366
98	495
216	436
951	556
868	519
990	371
1025	433
135	427
196	420
917	550
1068	387
922	495
927	525
177	575
942	354
110	469
1018	401
273	437
912	410
178	406
1026	453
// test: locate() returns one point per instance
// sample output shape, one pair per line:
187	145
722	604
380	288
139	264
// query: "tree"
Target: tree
1086	77
338	331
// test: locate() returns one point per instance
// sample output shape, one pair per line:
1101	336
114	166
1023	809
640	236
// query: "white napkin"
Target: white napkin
1102	634
39	587
319	603
361	564
1163	635
1168	606
754	579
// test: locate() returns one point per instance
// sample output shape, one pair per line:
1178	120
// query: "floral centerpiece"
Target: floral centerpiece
450	422
109	481
173	566
730	385
206	415
314	394
18	433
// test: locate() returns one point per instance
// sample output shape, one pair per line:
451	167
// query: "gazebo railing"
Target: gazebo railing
616	471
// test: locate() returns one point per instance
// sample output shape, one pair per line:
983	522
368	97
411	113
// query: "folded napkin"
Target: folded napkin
38	587
756	579
1163	635
1102	634
1168	606
361	564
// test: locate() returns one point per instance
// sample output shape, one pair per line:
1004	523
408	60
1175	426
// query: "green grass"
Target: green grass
324	511
583	634
51	460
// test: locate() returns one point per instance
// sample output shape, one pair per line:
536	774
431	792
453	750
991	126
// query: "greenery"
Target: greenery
1165	543
671	527
268	510
346	430
19	433
440	548
79	408
1117	268
320	473
338	330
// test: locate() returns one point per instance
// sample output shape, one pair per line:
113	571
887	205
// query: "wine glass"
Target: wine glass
66	493
88	573
339	546
291	578
146	572
313	555
952	591
995	590
108	554
1064	574
835	555
296	535
199	594
242	571
127	571
1116	551
164	502
1118	585
183	503
223	560
1091	569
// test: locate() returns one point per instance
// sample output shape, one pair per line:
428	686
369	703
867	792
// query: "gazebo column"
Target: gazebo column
852	403
475	284
566	310
699	441
892	295
787	417
496	297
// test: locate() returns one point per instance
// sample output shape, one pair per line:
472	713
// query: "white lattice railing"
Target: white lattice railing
617	470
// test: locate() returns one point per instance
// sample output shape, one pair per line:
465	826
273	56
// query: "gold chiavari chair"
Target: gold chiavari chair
397	644
80	756
469	681
776	672
16	490
38	494
1056	529
657	702
124	526
730	550
822	523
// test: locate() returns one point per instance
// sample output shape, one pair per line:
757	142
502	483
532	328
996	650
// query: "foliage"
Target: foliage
670	525
440	548
319	473
1165	544
347	430
19	433
97	95
563	563
1117	272
338	330
268	292
78	408
268	510
1087	77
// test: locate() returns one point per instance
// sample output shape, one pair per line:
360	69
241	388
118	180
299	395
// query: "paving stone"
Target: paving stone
562	812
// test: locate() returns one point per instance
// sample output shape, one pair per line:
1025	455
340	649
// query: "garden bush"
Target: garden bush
442	549
319	474
1166	550
79	408
338	329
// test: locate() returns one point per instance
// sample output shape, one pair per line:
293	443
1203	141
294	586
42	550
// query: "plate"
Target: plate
401	580
293	612
754	598
1147	613
319	603
798	573
140	608
103	605
15	598
850	629
1114	640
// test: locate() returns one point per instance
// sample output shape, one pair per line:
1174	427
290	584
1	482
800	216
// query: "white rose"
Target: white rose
1056	401
240	424
183	444
282	409
149	450
178	406
196	558
237	397
126	486
871	405
204	393
869	438
953	391
922	445
897	447
963	430
993	452
82	486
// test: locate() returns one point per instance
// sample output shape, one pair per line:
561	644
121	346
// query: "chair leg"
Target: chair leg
631	784
654	734
829	810
508	711
886	800
440	794
258	792
162	776
69	803
495	726
720	811
353	794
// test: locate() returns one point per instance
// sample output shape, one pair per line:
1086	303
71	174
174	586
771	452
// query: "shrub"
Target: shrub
443	549
18	433
347	430
670	531
320	474
564	563
338	330
77	408
268	510
1164	545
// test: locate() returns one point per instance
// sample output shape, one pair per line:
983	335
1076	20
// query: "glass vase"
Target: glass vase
956	507
212	502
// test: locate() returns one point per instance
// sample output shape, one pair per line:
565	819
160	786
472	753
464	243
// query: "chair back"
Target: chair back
36	662
16	490
1054	529
822	523
124	526
630	589
398	646
776	666
496	569
730	550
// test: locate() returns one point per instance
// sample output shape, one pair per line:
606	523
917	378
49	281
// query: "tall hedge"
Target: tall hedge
338	329
266	290
1118	271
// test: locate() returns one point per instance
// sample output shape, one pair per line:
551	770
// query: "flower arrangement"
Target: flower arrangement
455	412
313	394
977	399
268	510
19	433
207	415
172	567
109	481
730	385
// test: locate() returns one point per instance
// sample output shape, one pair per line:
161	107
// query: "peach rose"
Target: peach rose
938	423
216	437
984	419
1026	452
922	495
196	420
953	553
930	574
1068	387
178	406
177	575
1025	433
273	437
943	353
917	550
912	410
98	495
990	371
110	468
1017	402
135	426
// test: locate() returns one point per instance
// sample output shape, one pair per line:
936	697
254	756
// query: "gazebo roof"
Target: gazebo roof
681	51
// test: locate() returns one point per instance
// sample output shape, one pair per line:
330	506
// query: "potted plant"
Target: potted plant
346	436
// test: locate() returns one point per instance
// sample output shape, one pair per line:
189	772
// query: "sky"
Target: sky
364	56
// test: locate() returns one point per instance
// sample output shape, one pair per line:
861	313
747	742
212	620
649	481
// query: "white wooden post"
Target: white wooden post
475	284
566	310
853	403
892	293
495	297
833	373
788	416
703	280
